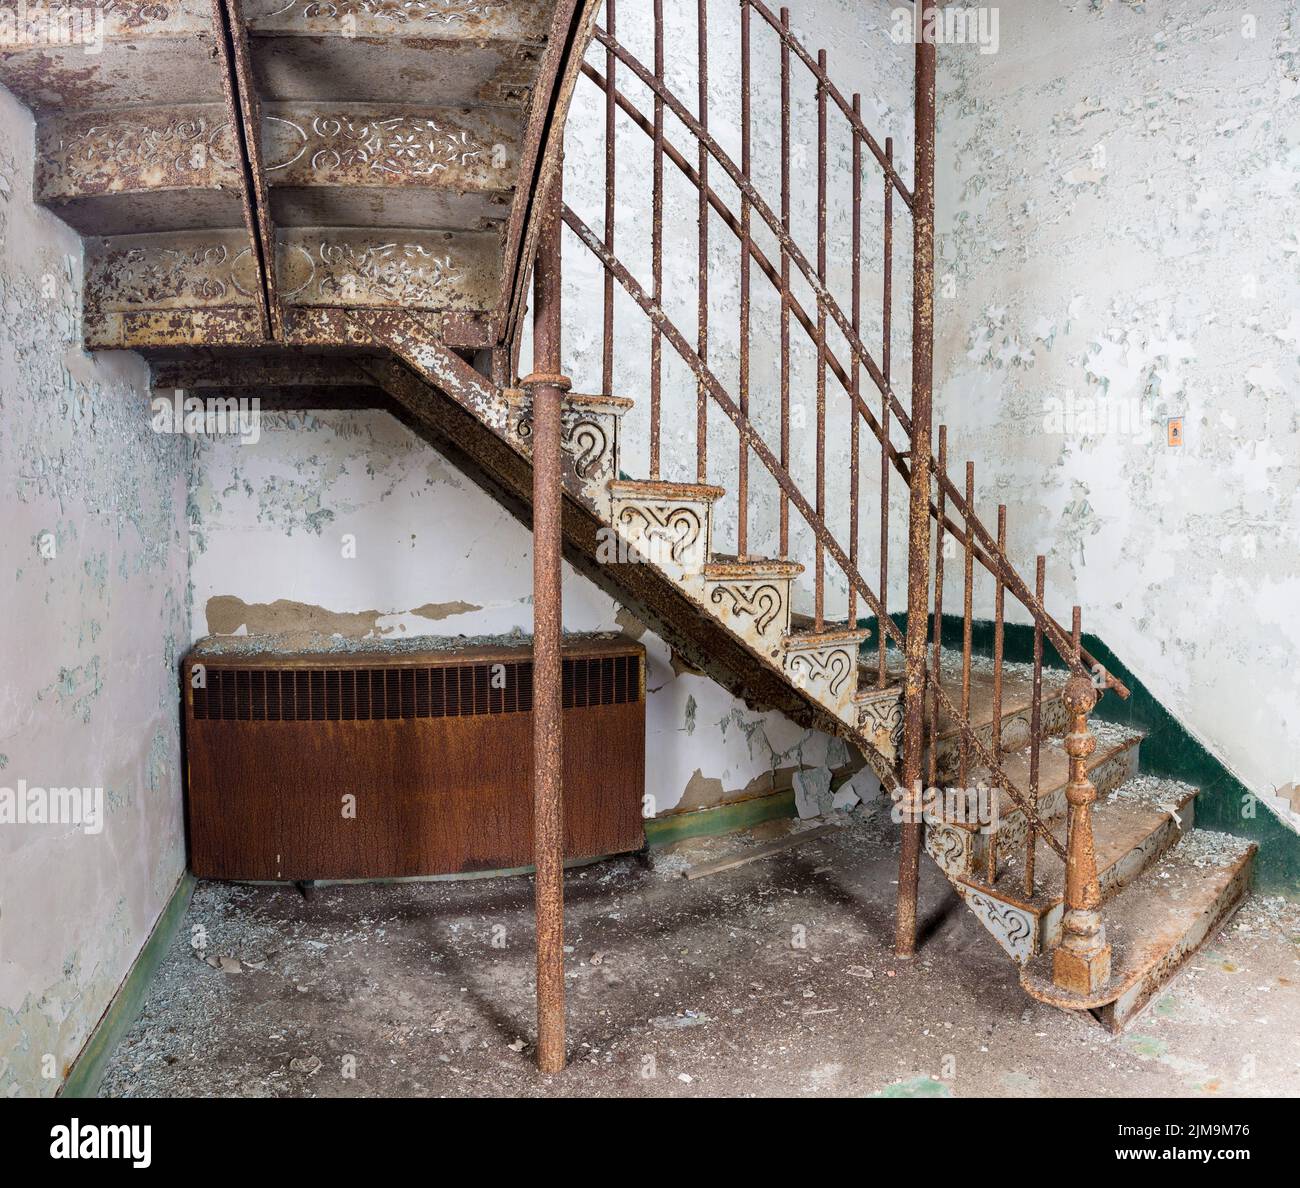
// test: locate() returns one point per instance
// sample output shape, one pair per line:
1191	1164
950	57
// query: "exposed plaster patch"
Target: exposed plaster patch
444	610
229	615
629	624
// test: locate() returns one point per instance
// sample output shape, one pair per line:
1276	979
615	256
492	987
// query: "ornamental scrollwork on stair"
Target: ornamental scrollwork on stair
882	718
831	665
398	272
399	12
398	146
199	272
1011	927
583	438
180	144
761	600
948	846
677	526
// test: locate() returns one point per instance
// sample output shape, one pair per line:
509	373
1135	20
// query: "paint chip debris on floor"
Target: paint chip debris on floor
775	977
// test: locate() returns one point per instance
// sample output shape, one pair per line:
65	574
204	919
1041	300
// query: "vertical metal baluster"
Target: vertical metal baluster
657	244
701	392
855	386
784	510
998	603
742	468
967	621
1035	725
937	675
611	108
1076	632
820	565
886	317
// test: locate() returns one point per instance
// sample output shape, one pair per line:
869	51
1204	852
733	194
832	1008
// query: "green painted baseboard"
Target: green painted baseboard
87	1070
1169	750
723	818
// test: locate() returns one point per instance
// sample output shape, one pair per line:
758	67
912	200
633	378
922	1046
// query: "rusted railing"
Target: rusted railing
935	498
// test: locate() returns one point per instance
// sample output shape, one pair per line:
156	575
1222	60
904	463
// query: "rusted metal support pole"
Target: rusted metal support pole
918	541
547	386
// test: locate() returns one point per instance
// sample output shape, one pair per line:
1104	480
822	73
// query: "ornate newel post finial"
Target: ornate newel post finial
1081	963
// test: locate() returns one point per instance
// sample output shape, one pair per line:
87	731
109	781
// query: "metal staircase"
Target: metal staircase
262	217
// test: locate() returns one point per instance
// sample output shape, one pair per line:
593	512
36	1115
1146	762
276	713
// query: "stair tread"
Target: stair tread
831	633
1148	921
614	404
662	489
727	565
1053	765
1121	822
1017	687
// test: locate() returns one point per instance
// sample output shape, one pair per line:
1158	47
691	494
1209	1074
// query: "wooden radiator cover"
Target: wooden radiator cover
435	748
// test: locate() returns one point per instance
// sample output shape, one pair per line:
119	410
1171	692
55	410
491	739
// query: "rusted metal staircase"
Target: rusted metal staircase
262	218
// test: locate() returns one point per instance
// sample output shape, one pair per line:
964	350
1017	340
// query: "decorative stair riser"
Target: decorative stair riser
878	716
756	609
672	530
827	671
589	432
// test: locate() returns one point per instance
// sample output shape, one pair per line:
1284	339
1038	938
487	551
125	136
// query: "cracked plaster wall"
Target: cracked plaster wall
1117	197
96	613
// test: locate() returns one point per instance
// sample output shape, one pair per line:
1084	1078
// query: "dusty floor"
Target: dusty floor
771	978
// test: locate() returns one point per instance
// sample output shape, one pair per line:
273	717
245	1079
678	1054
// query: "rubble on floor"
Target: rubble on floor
775	977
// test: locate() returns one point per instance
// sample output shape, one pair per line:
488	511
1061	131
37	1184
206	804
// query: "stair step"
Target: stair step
661	489
751	596
1017	707
1054	773
1132	828
725	565
667	524
1155	925
825	663
960	847
589	431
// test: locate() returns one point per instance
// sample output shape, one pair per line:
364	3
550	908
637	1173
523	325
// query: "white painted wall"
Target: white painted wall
1117	194
94	591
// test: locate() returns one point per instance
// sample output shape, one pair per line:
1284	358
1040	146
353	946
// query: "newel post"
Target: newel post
1081	963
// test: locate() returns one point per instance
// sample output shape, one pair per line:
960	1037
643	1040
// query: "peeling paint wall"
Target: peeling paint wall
346	523
1117	195
96	614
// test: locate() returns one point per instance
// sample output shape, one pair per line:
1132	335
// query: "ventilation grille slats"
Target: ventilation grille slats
371	694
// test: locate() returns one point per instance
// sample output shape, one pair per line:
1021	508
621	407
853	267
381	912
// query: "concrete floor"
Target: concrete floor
771	978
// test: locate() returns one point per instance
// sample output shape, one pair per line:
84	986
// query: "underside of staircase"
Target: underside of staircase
263	219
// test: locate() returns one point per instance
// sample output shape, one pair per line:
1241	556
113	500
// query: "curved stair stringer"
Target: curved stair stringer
703	611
